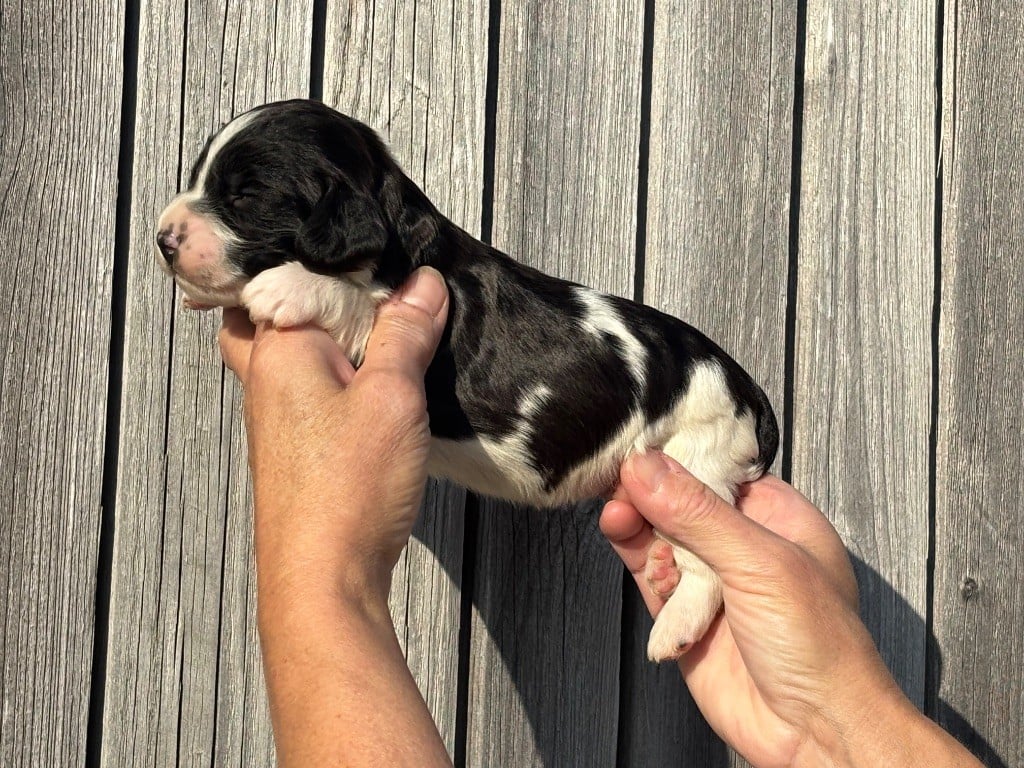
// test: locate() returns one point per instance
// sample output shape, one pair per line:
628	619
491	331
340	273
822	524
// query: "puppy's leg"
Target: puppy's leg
697	597
291	295
690	609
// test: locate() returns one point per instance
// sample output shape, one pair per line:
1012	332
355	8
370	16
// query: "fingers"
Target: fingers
631	537
679	505
305	358
235	337
628	532
408	327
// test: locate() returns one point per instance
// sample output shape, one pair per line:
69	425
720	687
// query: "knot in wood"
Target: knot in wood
969	588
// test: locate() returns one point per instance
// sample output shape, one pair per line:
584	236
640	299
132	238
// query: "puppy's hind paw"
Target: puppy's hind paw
685	618
661	571
668	643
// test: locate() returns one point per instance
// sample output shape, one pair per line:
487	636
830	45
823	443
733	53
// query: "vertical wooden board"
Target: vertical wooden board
544	664
416	73
717	256
60	83
139	640
978	603
861	402
183	677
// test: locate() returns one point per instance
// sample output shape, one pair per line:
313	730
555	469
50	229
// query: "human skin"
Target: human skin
787	675
338	463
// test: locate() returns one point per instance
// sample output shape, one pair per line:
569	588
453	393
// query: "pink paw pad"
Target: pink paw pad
661	571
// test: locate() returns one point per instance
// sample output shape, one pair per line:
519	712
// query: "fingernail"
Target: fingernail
426	290
650	469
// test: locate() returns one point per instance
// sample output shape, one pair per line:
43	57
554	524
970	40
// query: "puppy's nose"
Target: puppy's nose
168	243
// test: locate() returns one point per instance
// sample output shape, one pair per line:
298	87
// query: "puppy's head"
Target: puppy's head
289	181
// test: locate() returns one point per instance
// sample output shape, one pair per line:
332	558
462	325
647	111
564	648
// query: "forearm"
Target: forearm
340	690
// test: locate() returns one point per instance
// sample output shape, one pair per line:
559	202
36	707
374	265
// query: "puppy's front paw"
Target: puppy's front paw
686	616
661	571
280	295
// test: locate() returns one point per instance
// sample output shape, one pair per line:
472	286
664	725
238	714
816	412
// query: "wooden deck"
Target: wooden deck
831	189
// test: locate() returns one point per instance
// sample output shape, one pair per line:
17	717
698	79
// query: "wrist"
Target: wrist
294	604
888	730
300	562
867	725
306	579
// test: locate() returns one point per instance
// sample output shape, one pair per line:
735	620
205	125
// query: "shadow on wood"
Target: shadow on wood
875	588
656	716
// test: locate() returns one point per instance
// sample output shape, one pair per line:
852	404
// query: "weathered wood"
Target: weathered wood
543	686
417	73
60	83
861	403
184	679
184	682
717	256
978	603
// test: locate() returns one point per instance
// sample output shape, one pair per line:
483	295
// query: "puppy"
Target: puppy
540	388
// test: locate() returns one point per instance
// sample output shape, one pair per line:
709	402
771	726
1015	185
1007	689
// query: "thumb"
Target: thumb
409	326
680	506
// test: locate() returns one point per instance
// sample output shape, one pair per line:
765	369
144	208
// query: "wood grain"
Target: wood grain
184	682
717	256
543	686
979	570
60	85
862	404
416	73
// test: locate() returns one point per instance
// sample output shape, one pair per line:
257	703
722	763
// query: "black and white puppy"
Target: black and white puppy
540	387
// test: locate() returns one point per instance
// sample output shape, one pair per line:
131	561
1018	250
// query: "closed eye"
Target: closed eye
242	198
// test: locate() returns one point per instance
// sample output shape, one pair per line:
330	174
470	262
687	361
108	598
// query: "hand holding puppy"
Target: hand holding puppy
338	462
338	456
787	674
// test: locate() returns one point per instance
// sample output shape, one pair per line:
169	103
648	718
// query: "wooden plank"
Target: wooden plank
978	603
416	72
184	682
543	686
60	80
861	403
717	256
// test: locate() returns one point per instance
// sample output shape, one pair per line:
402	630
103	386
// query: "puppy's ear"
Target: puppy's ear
345	229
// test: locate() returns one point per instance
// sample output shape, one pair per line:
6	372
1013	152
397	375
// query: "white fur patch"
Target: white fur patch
291	295
226	134
701	431
601	319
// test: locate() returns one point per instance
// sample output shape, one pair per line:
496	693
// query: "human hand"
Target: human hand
338	461
788	674
338	456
